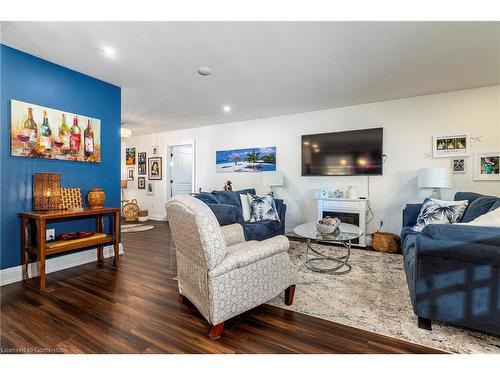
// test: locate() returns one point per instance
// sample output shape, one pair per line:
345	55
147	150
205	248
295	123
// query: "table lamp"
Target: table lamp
435	179
272	179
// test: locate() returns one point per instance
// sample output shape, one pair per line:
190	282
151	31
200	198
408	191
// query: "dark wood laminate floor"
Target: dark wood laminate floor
134	309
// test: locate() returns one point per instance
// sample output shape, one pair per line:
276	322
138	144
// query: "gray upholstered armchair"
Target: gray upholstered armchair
218	271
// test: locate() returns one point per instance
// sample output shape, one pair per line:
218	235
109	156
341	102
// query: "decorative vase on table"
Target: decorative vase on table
95	198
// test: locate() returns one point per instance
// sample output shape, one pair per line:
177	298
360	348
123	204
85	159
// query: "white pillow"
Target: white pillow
245	207
489	219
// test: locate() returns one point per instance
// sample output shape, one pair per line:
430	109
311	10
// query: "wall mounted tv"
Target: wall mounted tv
347	153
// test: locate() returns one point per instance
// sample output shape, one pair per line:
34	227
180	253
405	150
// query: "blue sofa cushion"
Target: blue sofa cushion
495	205
261	229
478	207
208	198
231	197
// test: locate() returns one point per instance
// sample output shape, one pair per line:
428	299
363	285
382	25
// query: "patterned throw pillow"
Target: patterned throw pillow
262	208
435	211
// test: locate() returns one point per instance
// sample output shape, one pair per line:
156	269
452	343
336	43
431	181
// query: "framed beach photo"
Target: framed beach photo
458	165
150	188
154	168
130	174
445	146
487	165
262	159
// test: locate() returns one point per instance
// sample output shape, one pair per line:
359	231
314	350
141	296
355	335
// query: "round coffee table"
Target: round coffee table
344	234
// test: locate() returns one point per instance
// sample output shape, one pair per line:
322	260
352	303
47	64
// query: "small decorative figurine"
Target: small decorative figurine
228	186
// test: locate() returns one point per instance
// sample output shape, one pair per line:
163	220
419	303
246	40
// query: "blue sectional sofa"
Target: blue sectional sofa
452	270
226	206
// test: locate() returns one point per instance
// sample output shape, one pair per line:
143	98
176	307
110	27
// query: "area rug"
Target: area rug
128	228
374	296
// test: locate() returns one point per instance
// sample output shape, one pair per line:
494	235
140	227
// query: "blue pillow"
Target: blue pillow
435	211
262	208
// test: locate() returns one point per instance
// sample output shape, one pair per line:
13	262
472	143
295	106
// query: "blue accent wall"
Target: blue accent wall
27	78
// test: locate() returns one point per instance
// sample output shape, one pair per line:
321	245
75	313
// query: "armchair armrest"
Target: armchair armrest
233	234
250	252
410	214
466	233
227	214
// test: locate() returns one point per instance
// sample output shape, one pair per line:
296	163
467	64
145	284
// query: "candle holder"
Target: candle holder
46	192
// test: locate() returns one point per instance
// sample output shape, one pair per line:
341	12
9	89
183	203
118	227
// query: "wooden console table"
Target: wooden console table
33	239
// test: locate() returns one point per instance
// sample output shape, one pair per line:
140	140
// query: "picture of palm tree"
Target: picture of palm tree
246	160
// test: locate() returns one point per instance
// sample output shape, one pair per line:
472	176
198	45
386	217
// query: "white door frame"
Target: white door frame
168	173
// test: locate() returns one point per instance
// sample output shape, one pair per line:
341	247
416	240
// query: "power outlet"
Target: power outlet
50	234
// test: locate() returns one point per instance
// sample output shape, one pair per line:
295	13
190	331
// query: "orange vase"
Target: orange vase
95	198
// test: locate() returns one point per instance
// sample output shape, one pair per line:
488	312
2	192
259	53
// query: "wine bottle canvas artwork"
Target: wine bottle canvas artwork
46	133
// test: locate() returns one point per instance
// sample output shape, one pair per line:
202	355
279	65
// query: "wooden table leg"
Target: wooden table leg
116	233
24	248
40	245
100	229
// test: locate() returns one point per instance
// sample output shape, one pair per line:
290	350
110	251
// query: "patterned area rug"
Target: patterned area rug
128	228
374	296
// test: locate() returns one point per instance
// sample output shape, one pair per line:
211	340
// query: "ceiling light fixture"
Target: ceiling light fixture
226	109
109	51
204	71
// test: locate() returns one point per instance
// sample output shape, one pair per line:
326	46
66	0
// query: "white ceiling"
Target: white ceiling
264	69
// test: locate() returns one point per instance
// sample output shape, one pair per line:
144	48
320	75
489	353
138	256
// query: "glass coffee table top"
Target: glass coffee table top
345	232
316	259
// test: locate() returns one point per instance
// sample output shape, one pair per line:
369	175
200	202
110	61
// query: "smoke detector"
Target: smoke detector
204	71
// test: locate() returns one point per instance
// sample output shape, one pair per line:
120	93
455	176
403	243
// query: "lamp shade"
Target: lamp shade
434	178
272	179
124	184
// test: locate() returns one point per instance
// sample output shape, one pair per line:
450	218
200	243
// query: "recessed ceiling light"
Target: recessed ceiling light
226	109
204	70
109	51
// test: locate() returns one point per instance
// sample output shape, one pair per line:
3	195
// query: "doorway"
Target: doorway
180	170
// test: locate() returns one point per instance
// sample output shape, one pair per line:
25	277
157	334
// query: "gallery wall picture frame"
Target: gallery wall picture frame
446	145
51	134
141	183
141	164
150	188
154	168
155	150
130	174
130	156
458	165
487	165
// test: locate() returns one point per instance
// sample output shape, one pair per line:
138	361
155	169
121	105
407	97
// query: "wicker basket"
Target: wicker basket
385	242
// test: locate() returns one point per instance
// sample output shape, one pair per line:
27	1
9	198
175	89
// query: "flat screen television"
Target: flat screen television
347	153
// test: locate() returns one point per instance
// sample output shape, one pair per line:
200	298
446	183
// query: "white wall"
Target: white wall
408	128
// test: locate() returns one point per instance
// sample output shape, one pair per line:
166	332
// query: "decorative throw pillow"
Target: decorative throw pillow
435	211
262	208
245	207
489	219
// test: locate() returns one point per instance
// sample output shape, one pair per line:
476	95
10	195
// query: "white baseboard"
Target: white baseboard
14	274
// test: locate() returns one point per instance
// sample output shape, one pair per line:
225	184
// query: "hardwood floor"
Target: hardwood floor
134	309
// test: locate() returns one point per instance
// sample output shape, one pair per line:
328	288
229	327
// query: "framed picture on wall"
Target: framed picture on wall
155	151
130	174
150	188
141	164
458	165
154	168
262	159
130	156
141	183
445	146
47	133
487	165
